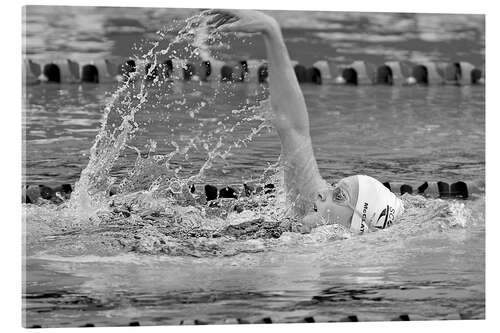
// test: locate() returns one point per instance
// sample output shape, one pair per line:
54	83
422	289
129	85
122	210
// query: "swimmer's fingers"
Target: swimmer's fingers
211	12
216	14
217	19
249	21
229	26
224	22
221	19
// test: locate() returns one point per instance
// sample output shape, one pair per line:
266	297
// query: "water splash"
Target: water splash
160	176
131	97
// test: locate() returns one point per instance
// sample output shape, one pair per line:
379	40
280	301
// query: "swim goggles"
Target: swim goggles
341	197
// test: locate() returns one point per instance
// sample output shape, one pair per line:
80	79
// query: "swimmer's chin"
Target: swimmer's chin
313	220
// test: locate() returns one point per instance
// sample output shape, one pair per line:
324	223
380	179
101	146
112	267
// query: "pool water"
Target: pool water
146	265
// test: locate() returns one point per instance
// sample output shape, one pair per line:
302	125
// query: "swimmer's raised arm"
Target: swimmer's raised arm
291	119
302	180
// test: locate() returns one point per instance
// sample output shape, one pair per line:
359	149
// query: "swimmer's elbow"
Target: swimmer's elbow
290	130
291	121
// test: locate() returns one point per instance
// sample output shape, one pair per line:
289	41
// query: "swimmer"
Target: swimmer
359	202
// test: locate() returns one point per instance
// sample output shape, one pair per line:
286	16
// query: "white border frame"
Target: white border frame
11	152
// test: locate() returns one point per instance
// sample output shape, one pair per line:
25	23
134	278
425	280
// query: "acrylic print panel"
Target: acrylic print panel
177	171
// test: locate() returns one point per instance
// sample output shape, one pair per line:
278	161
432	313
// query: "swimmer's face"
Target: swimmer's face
335	204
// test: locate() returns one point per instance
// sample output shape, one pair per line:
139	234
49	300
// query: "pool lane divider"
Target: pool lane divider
35	194
458	190
253	70
269	320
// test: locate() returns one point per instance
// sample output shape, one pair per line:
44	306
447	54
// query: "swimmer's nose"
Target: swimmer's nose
322	196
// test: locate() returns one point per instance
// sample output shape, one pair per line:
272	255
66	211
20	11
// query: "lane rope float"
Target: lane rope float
253	70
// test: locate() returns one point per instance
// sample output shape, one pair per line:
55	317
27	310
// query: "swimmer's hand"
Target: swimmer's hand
310	221
249	21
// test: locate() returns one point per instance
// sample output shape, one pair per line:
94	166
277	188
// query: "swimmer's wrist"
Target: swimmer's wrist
271	28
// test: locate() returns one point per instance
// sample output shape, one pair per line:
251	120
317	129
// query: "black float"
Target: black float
167	68
350	76
301	73
188	71
127	68
313	75
403	317
52	73
384	75
475	75
421	189
351	318
265	320
406	189
262	73
90	74
244	71
228	192
211	192
420	73
226	73
205	70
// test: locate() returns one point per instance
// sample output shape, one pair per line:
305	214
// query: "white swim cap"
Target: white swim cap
376	207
